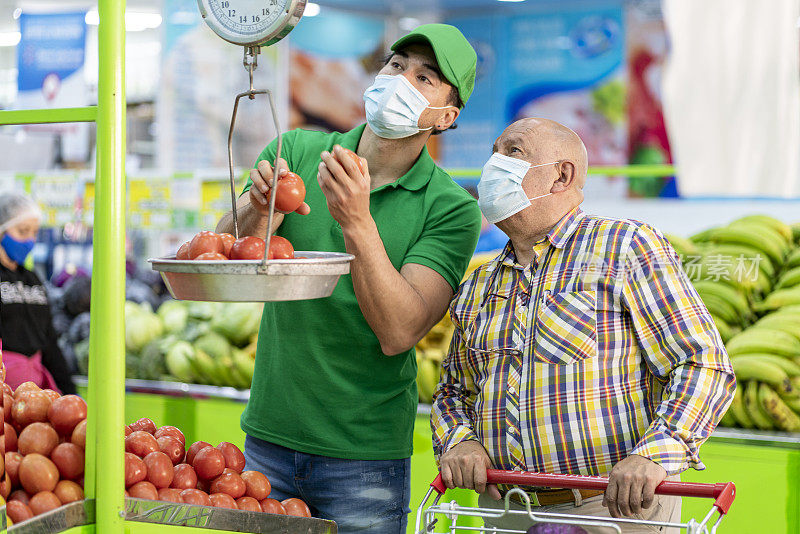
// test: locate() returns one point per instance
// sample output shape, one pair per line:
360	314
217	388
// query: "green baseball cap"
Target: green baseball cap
455	56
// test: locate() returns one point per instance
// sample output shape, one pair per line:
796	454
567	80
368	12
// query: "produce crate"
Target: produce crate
155	516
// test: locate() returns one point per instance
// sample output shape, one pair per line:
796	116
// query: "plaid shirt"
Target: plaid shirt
599	349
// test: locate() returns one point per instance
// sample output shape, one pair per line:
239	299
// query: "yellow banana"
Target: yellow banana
794	259
721	308
727	293
779	299
762	371
785	321
725	330
776	224
767	232
739	410
760	418
764	340
790	278
796	232
794	404
742	253
785	364
728	420
783	416
771	245
682	246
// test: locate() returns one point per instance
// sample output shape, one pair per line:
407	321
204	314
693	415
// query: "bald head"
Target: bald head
539	141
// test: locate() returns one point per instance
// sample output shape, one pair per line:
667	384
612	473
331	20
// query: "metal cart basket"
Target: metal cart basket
723	495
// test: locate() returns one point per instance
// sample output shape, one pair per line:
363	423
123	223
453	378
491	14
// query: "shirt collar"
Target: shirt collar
417	176
563	230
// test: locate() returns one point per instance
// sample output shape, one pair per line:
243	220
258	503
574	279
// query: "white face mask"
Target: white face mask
394	107
500	192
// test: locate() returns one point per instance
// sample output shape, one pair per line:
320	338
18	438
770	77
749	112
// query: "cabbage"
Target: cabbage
174	315
214	345
238	322
179	361
141	328
151	358
203	310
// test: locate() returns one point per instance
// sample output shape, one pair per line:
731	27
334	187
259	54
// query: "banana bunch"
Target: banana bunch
748	275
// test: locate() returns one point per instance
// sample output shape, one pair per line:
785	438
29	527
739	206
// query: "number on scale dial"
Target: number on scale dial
250	22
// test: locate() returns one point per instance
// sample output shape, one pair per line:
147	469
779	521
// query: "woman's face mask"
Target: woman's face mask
500	192
18	240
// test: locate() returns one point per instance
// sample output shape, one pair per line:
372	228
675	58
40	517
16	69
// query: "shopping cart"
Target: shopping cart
723	495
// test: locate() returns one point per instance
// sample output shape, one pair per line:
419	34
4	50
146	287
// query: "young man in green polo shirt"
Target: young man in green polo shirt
333	401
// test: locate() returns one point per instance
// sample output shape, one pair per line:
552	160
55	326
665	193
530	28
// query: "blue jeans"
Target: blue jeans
363	496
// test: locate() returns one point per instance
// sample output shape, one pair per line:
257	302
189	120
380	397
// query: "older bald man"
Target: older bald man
581	349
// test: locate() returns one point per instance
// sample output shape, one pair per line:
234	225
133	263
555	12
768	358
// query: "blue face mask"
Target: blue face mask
500	191
17	251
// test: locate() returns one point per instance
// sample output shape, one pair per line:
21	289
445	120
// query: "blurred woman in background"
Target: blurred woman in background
30	350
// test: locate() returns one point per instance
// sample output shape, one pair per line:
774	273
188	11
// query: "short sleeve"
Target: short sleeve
449	237
269	154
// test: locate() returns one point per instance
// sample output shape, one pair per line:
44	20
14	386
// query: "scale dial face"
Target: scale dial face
251	22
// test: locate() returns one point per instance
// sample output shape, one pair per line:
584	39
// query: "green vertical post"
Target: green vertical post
107	342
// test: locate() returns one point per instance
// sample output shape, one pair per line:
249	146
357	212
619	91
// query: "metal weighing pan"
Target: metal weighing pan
310	275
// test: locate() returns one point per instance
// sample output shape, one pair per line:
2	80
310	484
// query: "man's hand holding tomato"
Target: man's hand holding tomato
261	177
346	187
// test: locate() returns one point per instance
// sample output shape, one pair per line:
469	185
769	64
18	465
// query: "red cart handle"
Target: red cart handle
722	493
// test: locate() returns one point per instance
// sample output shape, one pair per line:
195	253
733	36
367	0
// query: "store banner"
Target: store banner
562	62
57	195
150	202
50	59
732	97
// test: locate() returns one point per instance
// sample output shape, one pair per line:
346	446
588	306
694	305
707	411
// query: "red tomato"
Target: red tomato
183	252
234	459
248	504
79	435
195	496
128	430
159	469
209	463
353	156
135	469
271	506
141	443
66	412
258	486
205	242
144	424
5	487
25	387
185	477
248	248
44	501
68	491
10	436
7	389
170	495
172	448
194	448
143	490
8	402
291	192
296	507
12	461
19	495
230	483
222	500
227	243
280	248
211	256
171	431
30	407
37	437
69	460
18	511
37	473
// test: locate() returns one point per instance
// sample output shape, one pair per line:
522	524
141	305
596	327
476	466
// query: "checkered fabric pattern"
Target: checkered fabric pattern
599	349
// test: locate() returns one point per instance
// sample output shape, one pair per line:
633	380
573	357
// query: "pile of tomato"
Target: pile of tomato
43	441
159	467
43	446
210	246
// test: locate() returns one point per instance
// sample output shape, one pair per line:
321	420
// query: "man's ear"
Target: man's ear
448	118
566	177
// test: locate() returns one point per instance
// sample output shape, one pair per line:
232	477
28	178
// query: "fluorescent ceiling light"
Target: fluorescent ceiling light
134	22
312	10
9	38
